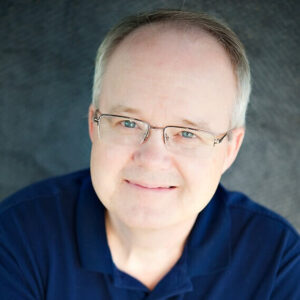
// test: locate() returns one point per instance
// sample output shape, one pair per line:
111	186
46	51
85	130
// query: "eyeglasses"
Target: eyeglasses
117	129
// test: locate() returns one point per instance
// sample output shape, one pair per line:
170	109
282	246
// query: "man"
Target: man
150	219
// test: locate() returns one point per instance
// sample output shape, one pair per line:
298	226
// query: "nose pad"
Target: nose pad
145	137
166	138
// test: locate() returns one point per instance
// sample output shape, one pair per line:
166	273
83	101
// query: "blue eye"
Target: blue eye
129	124
187	134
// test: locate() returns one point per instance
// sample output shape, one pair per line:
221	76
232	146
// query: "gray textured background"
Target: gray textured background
47	51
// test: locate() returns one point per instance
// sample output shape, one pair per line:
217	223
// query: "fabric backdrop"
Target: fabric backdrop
47	51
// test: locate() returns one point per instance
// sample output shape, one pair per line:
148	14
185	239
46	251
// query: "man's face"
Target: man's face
165	77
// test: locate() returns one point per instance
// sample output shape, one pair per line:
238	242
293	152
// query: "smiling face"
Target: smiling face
165	77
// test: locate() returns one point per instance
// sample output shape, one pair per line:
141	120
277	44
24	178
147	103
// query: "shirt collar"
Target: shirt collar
90	228
209	241
175	282
208	246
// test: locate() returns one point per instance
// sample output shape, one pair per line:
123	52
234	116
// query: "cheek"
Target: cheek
198	175
106	165
103	154
202	178
202	170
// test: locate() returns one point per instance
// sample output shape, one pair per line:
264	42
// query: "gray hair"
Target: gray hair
220	31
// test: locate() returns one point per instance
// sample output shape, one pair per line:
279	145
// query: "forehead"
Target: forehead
165	72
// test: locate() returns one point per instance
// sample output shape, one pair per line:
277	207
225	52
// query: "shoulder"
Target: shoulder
38	232
62	187
42	215
249	217
264	244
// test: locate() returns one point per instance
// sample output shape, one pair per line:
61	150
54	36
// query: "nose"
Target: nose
152	153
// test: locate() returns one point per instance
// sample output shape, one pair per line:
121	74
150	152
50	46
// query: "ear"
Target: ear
233	146
91	123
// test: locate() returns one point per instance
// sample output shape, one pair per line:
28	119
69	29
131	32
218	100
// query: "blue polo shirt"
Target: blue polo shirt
53	246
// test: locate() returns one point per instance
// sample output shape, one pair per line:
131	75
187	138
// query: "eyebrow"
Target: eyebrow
118	109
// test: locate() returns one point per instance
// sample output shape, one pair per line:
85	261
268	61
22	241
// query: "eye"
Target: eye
129	124
188	134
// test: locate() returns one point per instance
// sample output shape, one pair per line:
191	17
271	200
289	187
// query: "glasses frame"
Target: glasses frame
217	139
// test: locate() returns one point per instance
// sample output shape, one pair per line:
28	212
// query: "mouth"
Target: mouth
150	187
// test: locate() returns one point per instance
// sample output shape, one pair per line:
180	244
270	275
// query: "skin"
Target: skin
164	77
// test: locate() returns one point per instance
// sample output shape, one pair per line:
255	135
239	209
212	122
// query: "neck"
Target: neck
146	254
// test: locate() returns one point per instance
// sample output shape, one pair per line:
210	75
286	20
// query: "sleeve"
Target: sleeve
17	276
287	281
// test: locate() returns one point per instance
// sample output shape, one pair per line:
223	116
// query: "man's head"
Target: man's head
166	70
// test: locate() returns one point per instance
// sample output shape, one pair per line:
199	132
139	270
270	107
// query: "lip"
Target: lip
144	186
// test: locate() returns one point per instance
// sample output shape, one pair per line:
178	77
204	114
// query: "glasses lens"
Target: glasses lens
188	141
122	130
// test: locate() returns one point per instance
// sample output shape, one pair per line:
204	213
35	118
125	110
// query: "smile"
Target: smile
149	187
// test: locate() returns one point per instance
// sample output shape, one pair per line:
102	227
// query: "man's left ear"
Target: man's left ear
91	122
234	145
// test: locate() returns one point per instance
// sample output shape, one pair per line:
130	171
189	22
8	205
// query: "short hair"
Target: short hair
216	28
